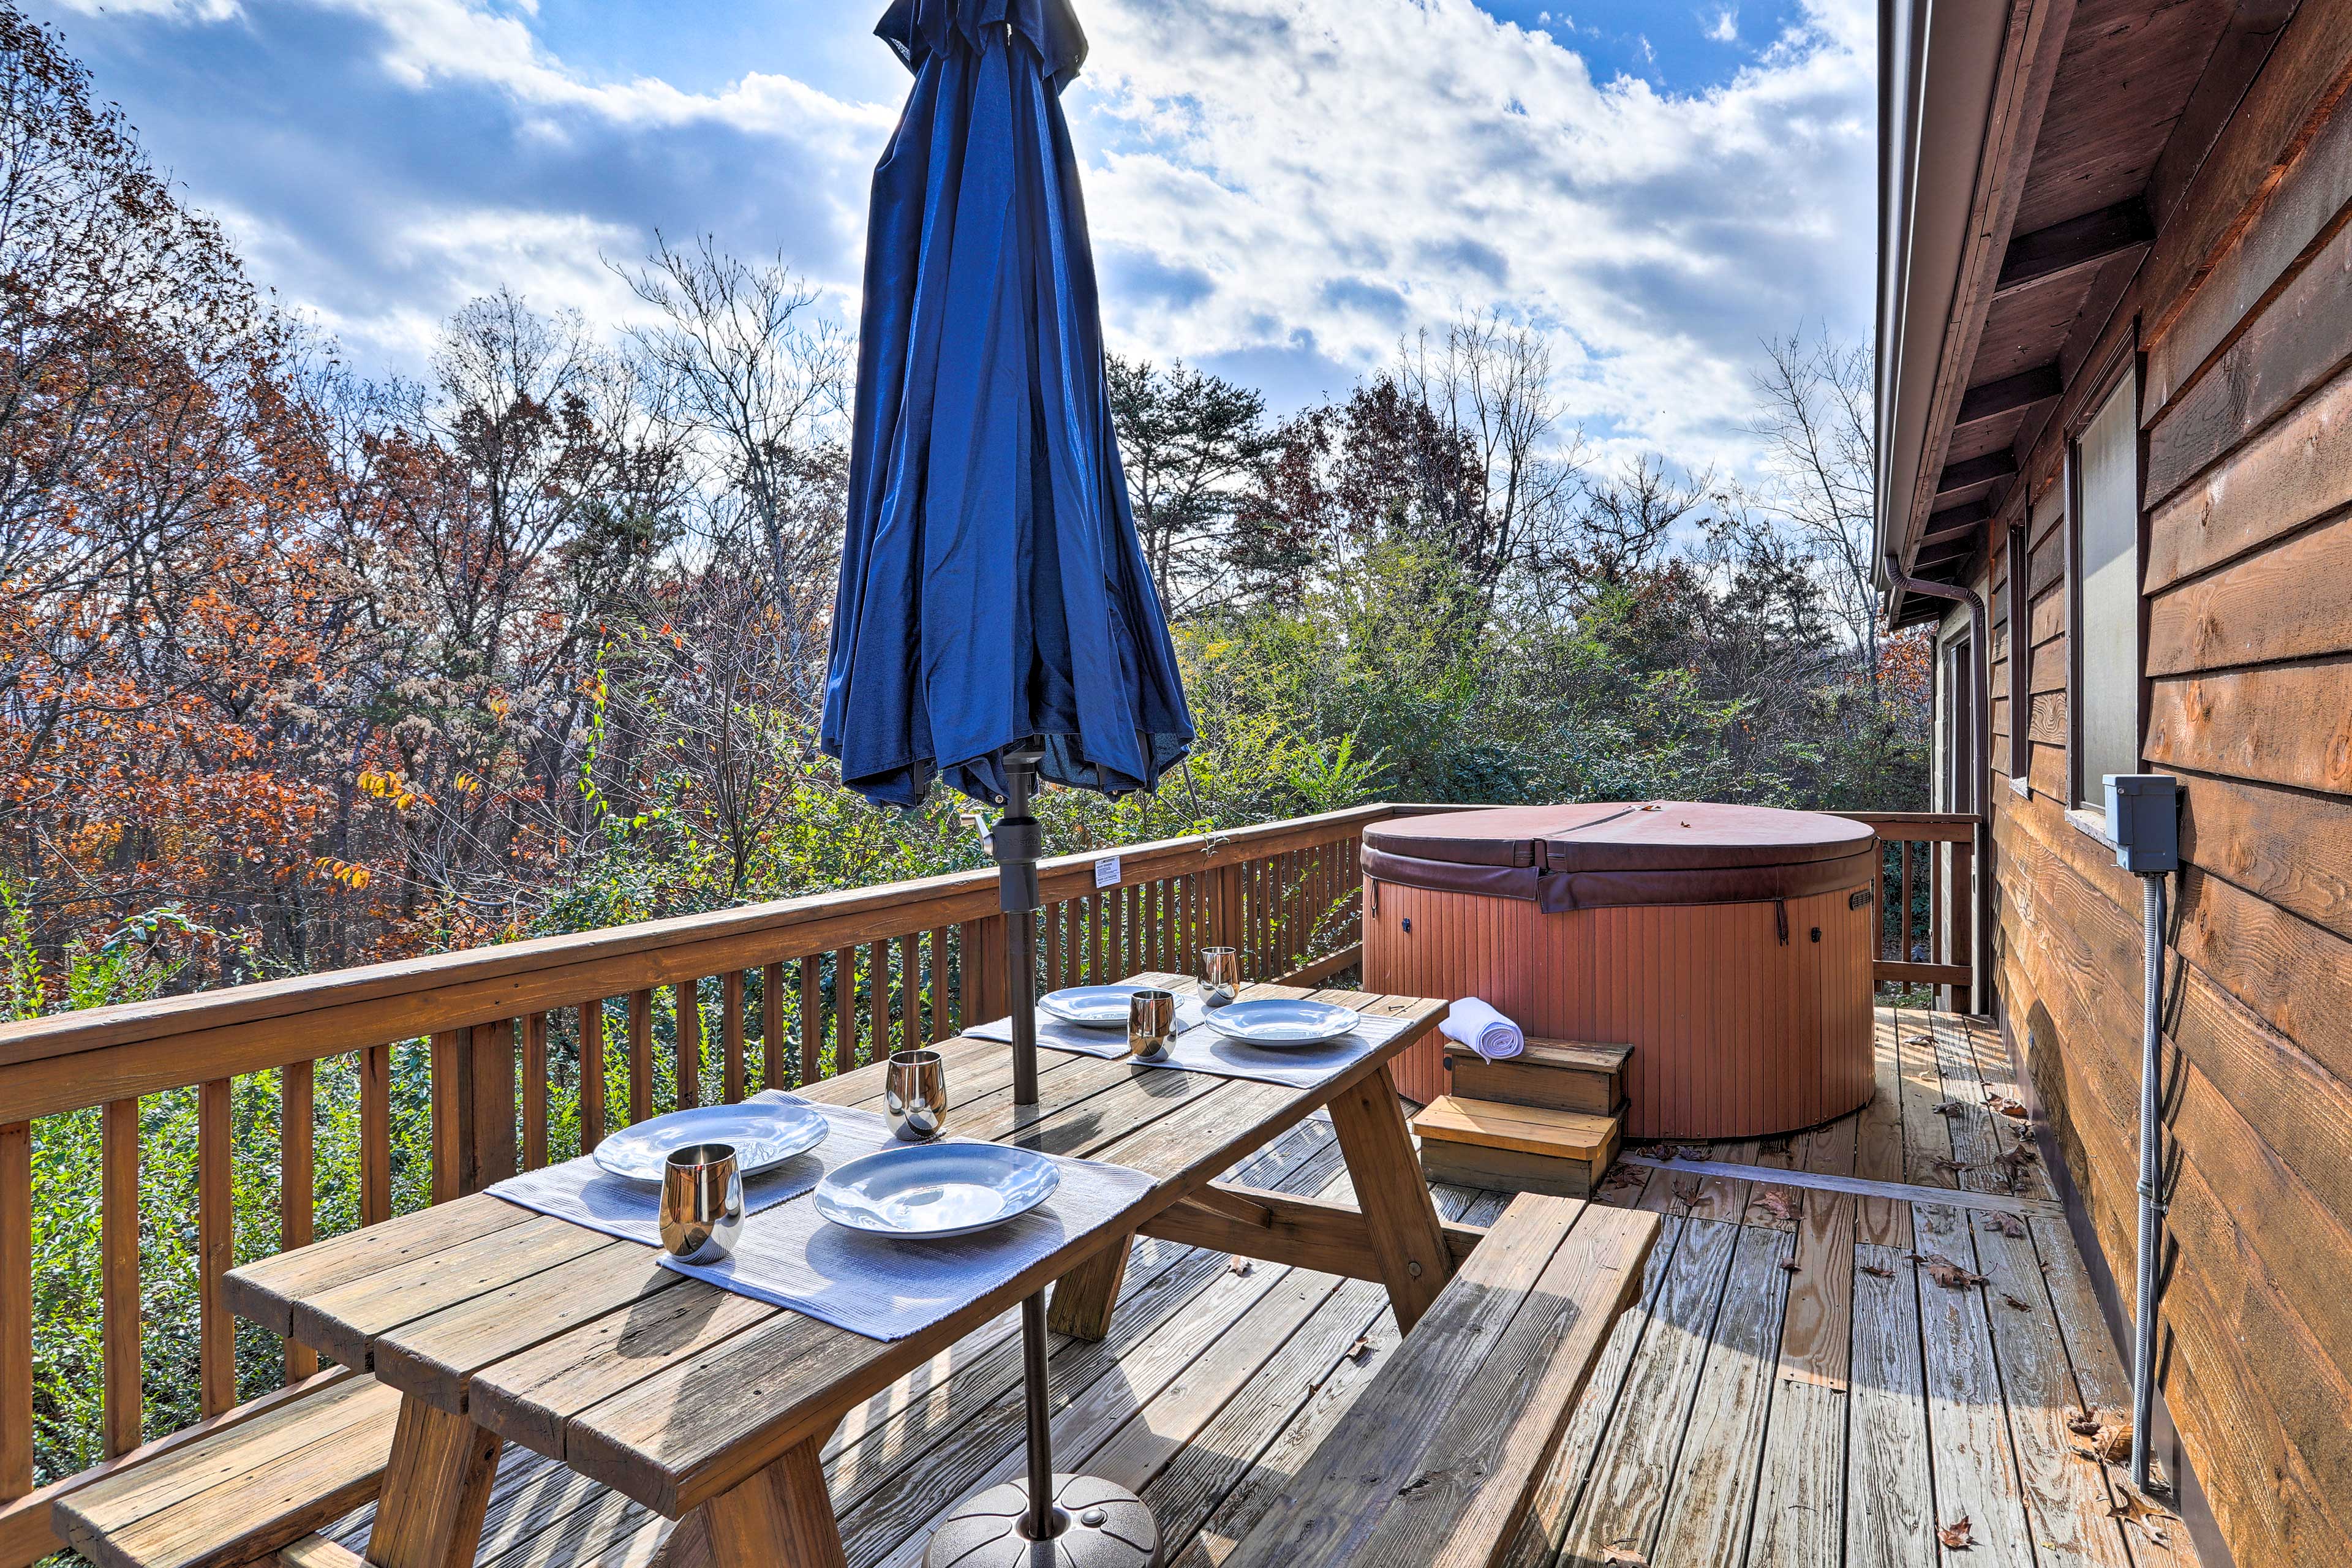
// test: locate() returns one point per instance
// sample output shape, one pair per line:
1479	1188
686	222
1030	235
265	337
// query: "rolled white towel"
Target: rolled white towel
1473	1023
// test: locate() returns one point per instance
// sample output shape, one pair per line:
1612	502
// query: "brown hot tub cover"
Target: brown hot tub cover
1659	852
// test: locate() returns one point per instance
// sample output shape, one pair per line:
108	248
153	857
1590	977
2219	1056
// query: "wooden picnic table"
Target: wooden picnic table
497	1324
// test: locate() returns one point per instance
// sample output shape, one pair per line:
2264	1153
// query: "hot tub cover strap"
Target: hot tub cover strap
1557	892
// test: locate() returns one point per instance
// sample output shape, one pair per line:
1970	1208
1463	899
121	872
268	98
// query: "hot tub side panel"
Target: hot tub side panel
1734	1035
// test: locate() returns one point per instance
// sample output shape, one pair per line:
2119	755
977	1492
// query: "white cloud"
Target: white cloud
1430	155
1726	26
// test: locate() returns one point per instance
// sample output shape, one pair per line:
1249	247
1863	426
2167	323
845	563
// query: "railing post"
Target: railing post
16	1310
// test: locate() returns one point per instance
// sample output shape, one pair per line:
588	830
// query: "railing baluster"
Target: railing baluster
1051	918
592	1075
448	1151
298	1198
375	1134
1878	904
1902	930
731	1035
16	1310
215	1248
942	1025
117	1262
771	1027
534	1091
641	1055
910	992
877	1000
687	996
844	1009
969	995
811	996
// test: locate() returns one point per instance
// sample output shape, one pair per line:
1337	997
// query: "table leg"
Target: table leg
1408	1238
1083	1298
434	1490
781	1517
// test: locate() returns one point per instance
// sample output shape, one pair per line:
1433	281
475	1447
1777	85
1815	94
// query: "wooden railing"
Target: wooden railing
1925	860
536	1049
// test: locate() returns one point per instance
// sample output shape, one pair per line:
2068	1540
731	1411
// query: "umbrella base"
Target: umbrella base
1101	1526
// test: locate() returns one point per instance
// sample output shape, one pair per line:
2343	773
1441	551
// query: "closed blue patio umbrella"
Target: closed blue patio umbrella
996	622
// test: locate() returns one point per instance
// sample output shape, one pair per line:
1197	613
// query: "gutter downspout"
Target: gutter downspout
1979	673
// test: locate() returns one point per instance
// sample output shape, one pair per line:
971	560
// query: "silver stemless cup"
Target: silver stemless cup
1150	1023
701	1203
1221	974
915	1095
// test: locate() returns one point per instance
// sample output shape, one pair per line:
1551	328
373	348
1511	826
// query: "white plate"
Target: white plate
1282	1025
1089	1006
764	1134
927	1191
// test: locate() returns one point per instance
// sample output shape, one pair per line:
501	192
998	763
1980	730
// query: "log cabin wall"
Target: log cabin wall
2240	316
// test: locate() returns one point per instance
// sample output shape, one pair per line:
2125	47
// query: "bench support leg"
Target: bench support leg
1408	1237
435	1489
1081	1304
781	1517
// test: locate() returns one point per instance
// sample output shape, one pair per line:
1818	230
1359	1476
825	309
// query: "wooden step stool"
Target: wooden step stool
1565	1074
1522	1147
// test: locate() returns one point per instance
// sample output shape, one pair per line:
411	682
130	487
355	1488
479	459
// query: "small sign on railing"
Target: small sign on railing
1107	871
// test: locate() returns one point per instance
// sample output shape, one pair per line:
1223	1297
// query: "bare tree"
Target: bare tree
1625	522
1818	417
762	380
1489	389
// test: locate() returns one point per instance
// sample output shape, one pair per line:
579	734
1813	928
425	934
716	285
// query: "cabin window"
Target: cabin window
1957	740
2106	700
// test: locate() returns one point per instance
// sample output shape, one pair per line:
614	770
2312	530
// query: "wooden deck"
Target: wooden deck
1795	1389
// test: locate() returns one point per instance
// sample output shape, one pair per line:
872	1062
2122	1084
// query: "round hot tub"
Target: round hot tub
1729	945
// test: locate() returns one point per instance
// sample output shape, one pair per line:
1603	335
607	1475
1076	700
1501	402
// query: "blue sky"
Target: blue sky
1280	189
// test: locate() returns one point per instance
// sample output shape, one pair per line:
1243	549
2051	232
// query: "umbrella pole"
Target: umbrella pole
1087	1520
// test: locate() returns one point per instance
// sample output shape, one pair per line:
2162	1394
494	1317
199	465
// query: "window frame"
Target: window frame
2125	360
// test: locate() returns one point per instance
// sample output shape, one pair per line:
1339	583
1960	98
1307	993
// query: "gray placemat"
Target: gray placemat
1202	1049
583	1192
1067	1036
791	1257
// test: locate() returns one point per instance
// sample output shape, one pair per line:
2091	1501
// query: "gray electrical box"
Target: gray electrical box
2144	821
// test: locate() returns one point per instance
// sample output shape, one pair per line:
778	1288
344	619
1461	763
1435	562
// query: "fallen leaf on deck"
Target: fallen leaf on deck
1240	1265
1878	1268
2113	1443
1687	1193
1956	1534
1360	1350
1689	1152
2136	1510
2084	1423
1791	1265
2020	1306
1776	1203
2005	1105
1953	1167
1946	1273
1624	1557
2012	1163
2006	1225
1950	1108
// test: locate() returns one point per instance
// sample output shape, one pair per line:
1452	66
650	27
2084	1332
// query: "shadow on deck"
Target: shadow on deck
1797	1387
